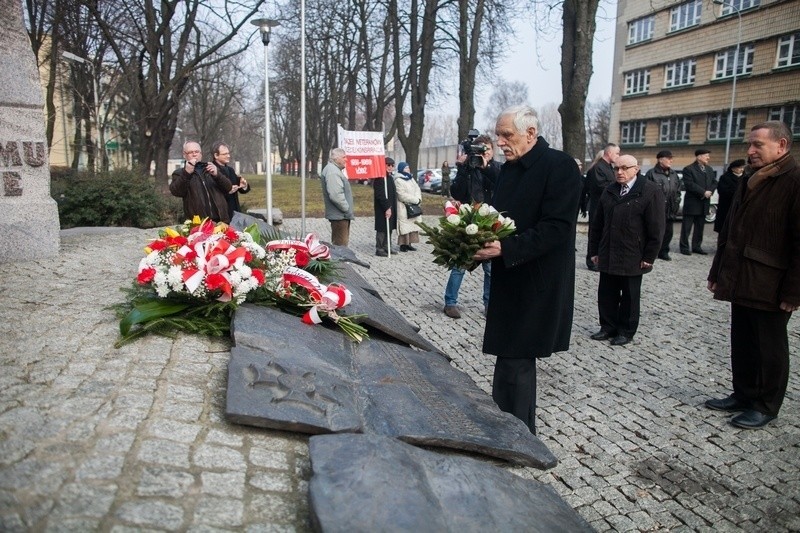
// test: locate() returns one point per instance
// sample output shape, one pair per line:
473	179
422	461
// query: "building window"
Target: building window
632	132
730	7
789	50
718	126
790	115
641	29
723	67
675	129
637	82
679	73
685	15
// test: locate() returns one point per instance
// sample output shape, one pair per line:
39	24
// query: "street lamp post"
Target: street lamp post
100	146
735	73
265	26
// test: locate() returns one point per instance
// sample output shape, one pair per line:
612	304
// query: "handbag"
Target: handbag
413	210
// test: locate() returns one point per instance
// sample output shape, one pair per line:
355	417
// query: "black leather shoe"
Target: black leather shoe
382	253
664	257
686	252
699	252
411	248
404	247
726	404
600	336
751	419
620	340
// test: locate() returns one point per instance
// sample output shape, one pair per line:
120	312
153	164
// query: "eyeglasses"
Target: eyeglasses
624	169
224	153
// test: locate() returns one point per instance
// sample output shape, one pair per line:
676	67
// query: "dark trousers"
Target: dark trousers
381	242
590	211
618	303
668	231
514	388
689	221
760	357
340	232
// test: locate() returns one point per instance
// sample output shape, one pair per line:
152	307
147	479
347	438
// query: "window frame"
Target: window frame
633	132
683	123
637	82
728	9
746	55
679	16
677	66
792	41
641	26
794	123
721	129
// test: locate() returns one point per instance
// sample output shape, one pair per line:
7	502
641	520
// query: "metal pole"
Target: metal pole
303	117
101	143
266	135
735	75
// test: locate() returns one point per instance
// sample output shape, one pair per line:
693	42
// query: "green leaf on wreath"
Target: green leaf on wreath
149	311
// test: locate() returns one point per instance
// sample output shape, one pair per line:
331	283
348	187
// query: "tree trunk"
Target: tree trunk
576	72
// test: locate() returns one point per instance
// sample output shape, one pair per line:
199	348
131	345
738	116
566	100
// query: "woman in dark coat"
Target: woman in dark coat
385	199
726	188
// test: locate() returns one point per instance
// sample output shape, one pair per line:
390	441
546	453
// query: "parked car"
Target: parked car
430	180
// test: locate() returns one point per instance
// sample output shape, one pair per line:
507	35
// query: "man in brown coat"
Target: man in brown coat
757	269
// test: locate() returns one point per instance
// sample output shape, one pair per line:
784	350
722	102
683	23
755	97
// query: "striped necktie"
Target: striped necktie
624	190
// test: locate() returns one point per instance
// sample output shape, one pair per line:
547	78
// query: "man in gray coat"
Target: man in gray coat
338	197
532	292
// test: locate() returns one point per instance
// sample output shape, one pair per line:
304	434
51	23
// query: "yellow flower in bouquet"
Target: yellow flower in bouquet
463	230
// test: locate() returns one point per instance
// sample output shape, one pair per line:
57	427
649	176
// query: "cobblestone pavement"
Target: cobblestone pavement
97	438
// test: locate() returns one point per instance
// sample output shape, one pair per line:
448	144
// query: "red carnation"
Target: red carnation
146	276
259	275
158	245
302	258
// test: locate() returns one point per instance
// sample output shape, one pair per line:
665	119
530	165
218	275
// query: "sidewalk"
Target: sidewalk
94	438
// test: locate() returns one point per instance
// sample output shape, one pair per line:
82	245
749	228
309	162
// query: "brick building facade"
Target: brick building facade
674	73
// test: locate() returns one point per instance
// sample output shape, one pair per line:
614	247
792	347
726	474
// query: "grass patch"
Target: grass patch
286	196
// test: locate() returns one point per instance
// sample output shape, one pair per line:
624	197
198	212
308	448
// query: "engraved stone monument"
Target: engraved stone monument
372	483
285	374
29	227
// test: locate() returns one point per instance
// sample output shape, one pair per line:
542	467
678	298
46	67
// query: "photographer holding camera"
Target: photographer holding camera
201	185
475	179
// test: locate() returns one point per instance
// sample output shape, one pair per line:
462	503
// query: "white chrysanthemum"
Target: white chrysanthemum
175	276
160	278
235	277
483	210
471	229
162	289
245	271
454	219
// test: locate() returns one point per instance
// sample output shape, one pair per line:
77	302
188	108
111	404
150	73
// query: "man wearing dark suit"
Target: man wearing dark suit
599	176
624	240
757	269
699	182
533	271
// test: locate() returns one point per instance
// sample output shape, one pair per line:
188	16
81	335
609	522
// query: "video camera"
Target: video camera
474	151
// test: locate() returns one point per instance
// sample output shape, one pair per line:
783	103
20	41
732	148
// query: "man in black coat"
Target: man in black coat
599	176
533	270
699	182
222	156
666	178
384	200
625	238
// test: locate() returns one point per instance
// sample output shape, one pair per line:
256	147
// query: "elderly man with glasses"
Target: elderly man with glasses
624	241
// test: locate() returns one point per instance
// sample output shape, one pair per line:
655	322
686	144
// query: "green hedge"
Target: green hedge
117	198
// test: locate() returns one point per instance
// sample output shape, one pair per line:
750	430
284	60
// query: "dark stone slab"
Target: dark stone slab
240	221
371	483
379	314
303	398
373	386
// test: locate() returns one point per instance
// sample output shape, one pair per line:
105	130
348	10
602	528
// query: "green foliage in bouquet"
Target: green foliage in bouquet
463	231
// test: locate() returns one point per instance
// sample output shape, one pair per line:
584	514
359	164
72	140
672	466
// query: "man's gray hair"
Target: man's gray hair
336	153
524	117
777	130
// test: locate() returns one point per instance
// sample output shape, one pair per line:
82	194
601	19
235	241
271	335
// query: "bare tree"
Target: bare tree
504	95
576	71
550	125
598	120
158	46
